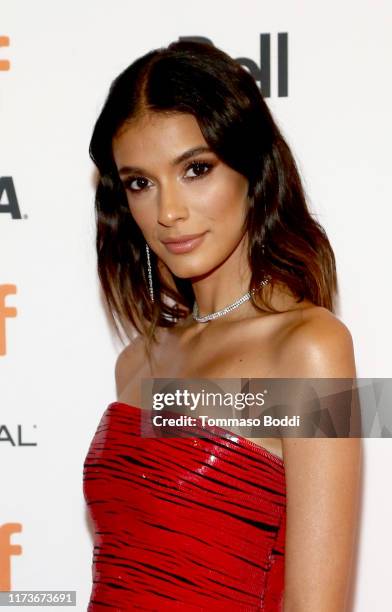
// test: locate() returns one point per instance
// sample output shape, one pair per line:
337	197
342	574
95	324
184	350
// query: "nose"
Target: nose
171	206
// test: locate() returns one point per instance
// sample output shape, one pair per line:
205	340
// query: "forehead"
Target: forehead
157	135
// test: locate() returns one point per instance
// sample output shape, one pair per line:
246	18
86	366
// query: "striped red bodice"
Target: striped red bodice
185	523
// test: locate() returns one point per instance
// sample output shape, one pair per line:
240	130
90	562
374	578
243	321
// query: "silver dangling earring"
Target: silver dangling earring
149	273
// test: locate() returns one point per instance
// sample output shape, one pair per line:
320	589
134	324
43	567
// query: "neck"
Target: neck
223	285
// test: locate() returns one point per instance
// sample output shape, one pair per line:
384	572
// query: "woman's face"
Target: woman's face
176	189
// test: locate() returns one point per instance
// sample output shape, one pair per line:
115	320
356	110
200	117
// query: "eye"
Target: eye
135	183
200	167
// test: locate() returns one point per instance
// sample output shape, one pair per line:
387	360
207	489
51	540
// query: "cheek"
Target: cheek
224	201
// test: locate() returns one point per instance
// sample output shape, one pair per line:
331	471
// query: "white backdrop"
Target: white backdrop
58	352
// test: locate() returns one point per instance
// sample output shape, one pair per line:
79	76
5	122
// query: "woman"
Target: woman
207	249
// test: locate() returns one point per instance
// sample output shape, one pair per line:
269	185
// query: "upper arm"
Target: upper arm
322	484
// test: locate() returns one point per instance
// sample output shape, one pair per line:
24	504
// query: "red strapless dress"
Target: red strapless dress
183	523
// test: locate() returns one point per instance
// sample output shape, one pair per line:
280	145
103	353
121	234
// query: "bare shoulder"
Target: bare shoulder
319	345
128	362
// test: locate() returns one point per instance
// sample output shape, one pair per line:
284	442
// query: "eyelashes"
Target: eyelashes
138	184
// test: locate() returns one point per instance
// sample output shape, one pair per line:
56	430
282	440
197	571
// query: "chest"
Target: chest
232	355
236	353
224	353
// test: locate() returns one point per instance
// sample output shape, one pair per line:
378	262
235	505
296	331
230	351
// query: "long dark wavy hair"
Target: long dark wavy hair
285	241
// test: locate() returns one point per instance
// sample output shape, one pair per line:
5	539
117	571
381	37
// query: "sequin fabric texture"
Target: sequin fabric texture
184	523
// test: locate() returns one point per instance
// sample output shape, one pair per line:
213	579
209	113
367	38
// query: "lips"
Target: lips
184	244
181	239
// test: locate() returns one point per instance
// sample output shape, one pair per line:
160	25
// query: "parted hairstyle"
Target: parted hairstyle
285	240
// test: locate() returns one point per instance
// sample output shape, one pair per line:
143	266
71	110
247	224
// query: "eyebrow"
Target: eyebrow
183	157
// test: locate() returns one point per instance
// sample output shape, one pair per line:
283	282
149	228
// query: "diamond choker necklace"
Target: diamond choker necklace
226	309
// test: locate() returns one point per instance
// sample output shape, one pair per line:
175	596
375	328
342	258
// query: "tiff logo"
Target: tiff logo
262	73
6	551
4	42
5	311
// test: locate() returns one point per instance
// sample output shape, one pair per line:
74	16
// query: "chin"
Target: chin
190	270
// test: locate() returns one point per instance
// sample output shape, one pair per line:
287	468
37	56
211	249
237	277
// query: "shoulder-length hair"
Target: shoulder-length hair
285	241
